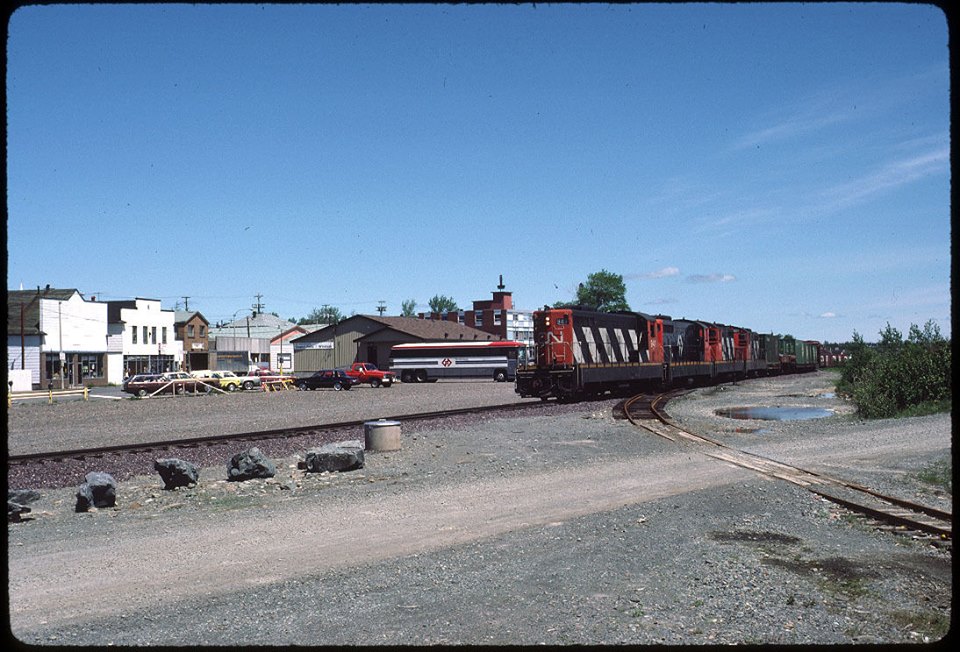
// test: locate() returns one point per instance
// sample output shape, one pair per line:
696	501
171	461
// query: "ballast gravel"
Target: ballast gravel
566	527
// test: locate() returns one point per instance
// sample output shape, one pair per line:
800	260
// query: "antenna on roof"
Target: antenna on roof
501	286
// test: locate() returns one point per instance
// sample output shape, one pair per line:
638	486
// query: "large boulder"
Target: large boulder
250	464
99	490
342	456
176	473
17	501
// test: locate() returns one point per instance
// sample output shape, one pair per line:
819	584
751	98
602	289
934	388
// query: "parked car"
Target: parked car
145	384
329	378
271	377
227	380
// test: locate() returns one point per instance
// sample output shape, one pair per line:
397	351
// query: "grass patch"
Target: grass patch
934	624
938	474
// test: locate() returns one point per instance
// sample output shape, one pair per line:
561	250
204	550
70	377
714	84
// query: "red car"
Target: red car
173	381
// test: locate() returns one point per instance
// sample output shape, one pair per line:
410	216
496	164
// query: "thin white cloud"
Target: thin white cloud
828	315
663	272
893	174
711	278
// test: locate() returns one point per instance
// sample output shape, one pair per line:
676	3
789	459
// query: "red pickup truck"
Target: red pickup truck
368	373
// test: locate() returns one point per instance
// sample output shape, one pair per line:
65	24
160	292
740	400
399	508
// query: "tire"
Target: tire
337	386
302	387
375	382
500	375
232	387
406	377
248	384
141	392
421	376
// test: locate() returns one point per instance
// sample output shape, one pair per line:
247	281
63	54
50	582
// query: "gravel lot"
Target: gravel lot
567	526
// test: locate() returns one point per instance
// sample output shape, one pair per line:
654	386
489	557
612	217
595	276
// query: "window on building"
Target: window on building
164	334
203	331
190	330
145	339
153	335
134	331
478	318
91	365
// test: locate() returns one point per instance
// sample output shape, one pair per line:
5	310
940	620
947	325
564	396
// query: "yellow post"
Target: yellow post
49	397
85	393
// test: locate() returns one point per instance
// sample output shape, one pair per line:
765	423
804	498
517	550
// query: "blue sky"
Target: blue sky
783	167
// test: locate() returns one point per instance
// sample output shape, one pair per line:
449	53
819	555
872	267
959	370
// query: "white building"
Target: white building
58	335
141	339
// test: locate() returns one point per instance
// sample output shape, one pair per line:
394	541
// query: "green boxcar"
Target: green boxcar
806	354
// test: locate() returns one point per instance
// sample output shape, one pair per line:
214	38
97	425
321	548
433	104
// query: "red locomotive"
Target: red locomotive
580	353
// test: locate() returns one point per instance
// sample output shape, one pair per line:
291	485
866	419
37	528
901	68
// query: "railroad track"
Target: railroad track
646	412
259	435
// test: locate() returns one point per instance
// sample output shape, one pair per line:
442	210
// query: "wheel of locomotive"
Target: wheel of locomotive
421	376
500	375
406	377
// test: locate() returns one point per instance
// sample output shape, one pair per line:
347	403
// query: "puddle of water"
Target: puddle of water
828	395
775	413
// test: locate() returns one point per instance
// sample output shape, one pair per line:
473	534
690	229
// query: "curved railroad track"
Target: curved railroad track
646	412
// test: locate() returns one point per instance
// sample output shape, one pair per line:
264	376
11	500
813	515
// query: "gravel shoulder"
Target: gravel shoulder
565	528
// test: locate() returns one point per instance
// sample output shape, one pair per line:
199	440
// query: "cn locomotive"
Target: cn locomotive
579	352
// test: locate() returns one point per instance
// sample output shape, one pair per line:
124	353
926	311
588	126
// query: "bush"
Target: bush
898	377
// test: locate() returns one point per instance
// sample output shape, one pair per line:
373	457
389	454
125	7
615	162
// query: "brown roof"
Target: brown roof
429	329
421	329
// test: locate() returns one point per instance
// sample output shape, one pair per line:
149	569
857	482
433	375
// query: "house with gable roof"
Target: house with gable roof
367	338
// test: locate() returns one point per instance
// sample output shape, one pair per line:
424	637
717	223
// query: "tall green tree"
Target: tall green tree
441	303
408	308
323	315
603	290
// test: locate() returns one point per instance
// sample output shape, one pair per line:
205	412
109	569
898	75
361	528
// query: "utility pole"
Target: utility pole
63	358
258	307
186	304
381	308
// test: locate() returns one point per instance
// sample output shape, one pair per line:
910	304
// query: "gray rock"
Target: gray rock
17	500
99	490
176	473
342	456
250	464
23	496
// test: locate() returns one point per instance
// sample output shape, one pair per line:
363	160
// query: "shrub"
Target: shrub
899	377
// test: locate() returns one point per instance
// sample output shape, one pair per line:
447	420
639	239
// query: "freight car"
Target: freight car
579	352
